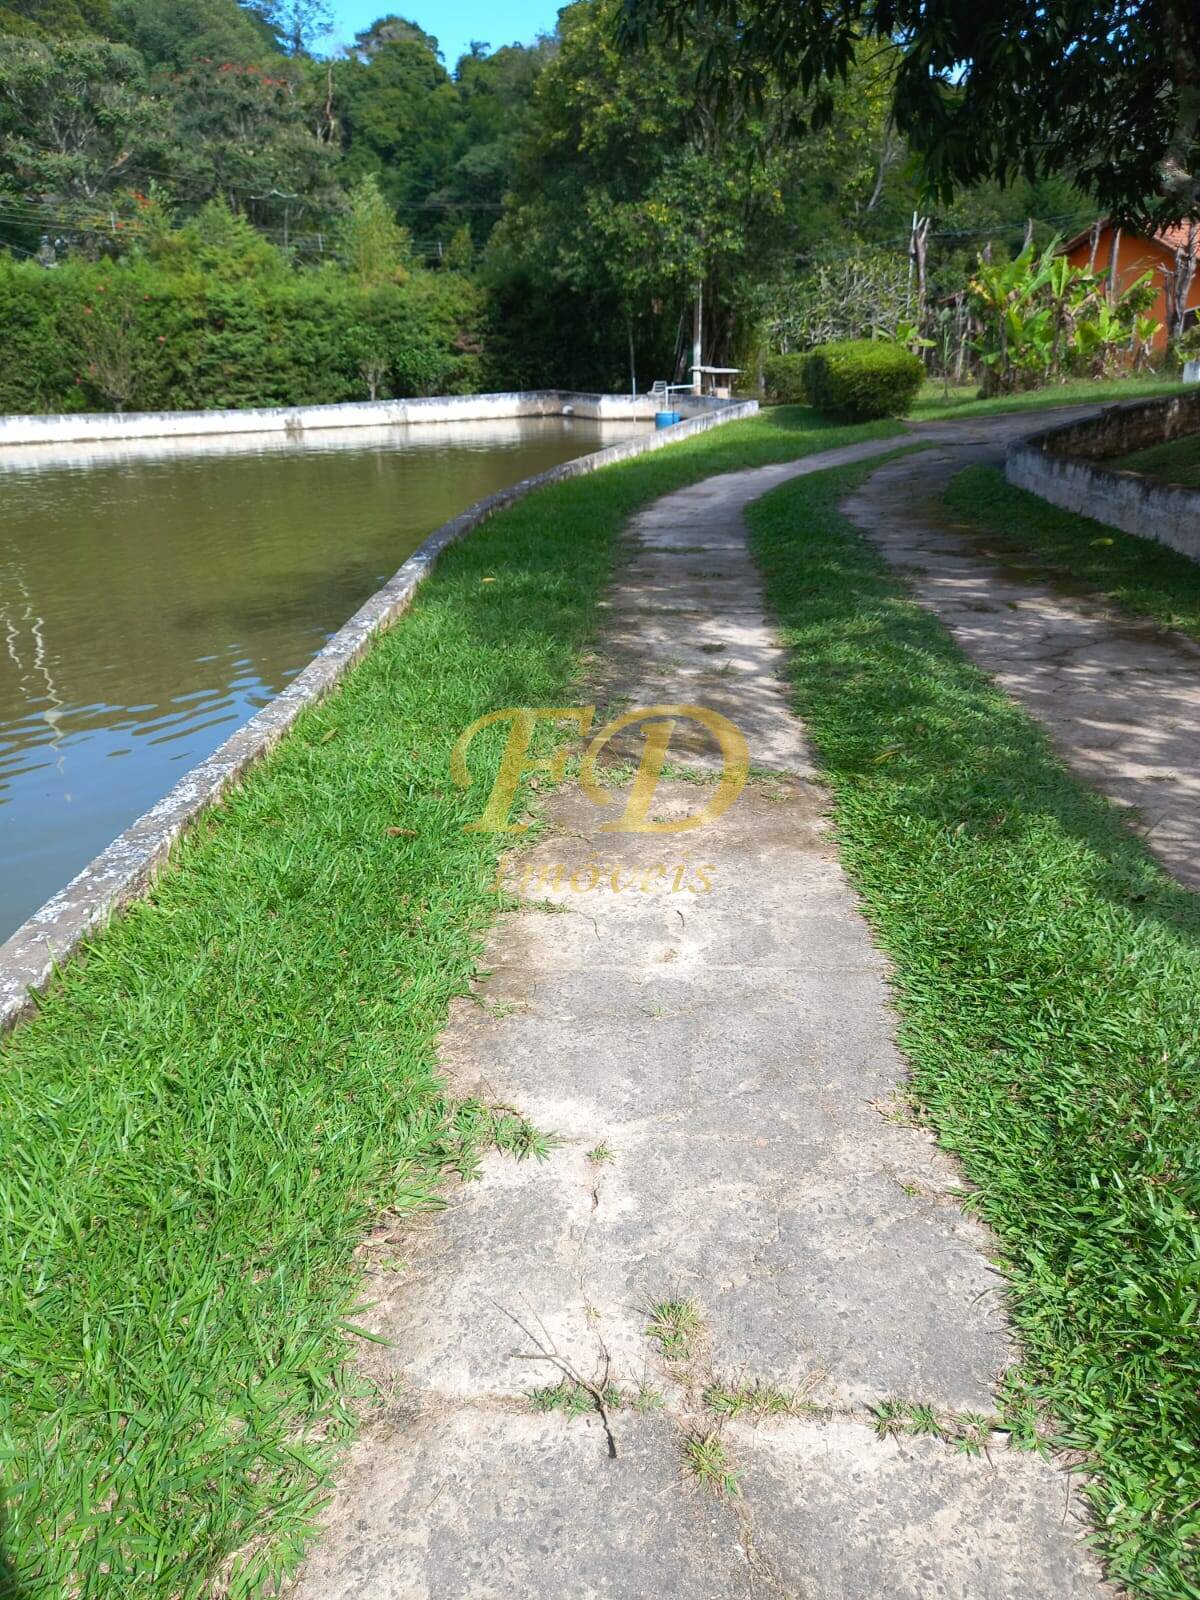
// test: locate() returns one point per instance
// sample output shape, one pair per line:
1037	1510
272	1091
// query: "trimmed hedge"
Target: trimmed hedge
134	336
862	378
783	377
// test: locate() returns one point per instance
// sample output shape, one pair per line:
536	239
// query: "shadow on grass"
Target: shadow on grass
11	1587
1146	579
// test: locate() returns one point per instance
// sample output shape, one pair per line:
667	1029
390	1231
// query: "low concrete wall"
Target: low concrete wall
70	427
126	869
1065	466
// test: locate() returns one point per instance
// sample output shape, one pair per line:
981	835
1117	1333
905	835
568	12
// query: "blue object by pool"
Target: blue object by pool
664	419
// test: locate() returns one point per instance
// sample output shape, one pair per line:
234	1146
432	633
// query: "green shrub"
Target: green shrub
150	335
784	378
862	378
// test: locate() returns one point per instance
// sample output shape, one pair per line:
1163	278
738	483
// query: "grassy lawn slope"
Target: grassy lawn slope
933	405
215	1104
1175	462
1047	975
1140	576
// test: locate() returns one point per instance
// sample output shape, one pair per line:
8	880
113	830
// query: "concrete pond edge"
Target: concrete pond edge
81	427
126	869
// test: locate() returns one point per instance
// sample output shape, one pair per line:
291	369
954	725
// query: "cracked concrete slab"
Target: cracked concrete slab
1120	698
703	1023
847	1514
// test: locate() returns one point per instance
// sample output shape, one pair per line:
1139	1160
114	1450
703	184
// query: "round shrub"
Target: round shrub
783	377
862	378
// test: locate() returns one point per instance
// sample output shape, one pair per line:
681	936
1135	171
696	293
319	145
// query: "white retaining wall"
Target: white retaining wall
1065	466
69	427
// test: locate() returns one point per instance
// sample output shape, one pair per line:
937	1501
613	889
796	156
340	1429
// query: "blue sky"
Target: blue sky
454	22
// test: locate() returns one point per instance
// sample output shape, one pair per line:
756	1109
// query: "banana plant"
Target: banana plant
1145	331
908	334
1041	318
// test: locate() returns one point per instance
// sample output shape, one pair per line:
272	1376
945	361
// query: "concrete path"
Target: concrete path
719	1068
1120	698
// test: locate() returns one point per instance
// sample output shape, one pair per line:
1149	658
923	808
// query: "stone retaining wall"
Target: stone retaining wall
1064	465
126	869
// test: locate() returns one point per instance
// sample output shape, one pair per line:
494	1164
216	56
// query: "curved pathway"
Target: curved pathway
704	1025
1120	698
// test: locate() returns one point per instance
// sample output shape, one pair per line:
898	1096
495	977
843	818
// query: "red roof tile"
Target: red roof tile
1176	238
1171	238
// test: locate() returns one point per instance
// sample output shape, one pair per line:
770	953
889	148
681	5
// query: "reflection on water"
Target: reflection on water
153	595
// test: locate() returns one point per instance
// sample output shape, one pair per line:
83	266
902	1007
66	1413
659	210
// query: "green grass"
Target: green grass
675	1326
574	1399
1047	980
1139	576
220	1099
967	1431
756	1399
932	405
708	1462
1175	462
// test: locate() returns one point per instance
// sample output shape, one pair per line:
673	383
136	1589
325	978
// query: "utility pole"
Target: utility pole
698	339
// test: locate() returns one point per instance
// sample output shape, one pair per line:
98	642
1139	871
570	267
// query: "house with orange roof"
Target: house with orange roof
1172	256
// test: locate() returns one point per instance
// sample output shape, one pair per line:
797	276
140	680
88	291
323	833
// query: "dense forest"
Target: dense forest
199	204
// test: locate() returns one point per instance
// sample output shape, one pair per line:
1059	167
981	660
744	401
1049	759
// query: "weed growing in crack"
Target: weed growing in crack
476	1128
572	1399
974	1429
647	1400
499	1009
924	1420
891	1418
601	1155
756	1400
967	1431
901	1110
674	1326
708	1461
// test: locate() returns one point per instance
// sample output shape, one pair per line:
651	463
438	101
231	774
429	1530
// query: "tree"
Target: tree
632	194
1108	90
49	19
371	244
175	33
495	104
247	134
78	129
219	244
392	30
295	24
399	111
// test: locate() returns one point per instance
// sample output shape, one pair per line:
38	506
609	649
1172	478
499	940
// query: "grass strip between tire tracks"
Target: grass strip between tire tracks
1047	974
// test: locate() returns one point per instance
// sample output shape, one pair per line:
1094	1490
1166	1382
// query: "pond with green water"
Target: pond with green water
153	596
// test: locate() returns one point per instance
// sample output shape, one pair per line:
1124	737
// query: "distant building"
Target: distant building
1173	256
